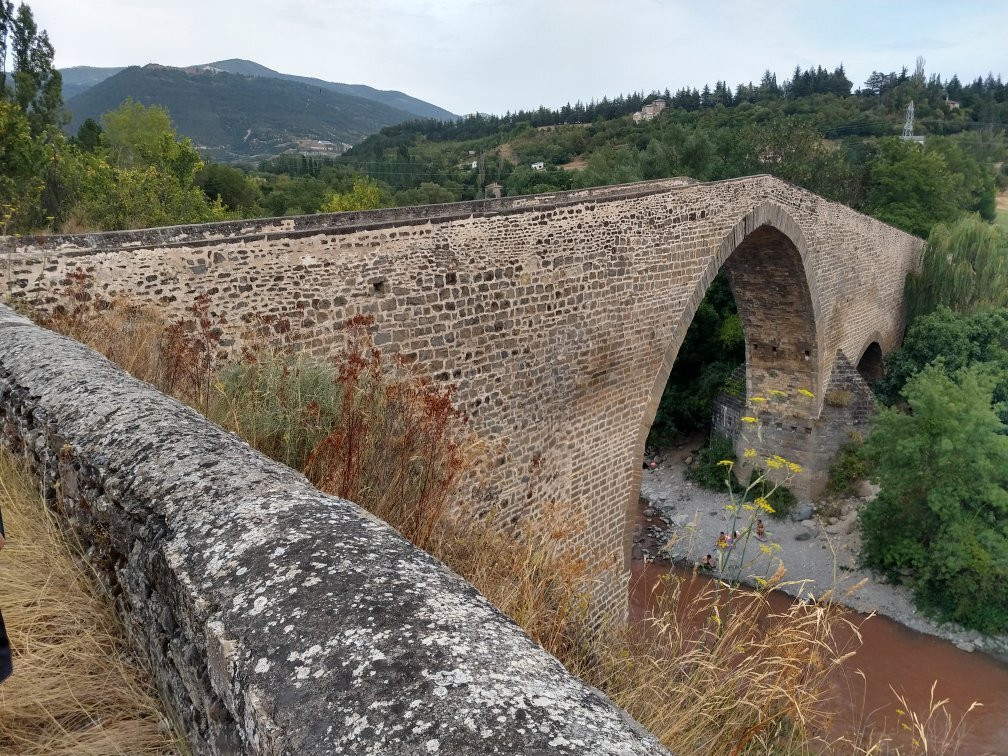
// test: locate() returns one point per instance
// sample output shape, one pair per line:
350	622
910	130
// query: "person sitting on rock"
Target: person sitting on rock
722	541
760	530
708	563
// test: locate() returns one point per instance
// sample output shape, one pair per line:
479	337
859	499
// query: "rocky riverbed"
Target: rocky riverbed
818	546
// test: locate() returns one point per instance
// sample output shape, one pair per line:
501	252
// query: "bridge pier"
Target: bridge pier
809	439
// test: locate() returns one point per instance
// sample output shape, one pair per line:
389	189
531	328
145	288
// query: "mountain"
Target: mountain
78	79
393	98
233	117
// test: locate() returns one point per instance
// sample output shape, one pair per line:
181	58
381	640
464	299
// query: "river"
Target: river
890	655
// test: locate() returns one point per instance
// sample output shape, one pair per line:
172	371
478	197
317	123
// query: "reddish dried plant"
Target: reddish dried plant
399	447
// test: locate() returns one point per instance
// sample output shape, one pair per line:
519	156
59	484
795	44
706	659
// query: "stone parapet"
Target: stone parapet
276	619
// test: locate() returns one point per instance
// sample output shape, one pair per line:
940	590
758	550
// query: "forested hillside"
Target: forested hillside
812	130
392	98
228	115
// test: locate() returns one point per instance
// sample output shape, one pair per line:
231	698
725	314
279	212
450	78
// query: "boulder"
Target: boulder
811	527
802	511
866	490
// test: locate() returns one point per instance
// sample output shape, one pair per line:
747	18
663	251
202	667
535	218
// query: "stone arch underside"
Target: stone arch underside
765	260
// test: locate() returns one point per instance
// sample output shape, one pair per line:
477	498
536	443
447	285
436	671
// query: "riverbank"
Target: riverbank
818	547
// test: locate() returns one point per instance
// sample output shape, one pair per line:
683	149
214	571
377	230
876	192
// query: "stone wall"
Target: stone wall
558	316
275	619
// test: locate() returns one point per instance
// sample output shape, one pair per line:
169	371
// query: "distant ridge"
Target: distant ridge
239	117
387	97
79	79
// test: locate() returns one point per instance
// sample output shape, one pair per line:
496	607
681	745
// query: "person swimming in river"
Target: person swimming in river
722	541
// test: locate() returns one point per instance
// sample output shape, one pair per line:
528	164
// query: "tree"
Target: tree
89	135
977	193
24	161
6	21
942	511
141	176
911	188
37	86
950	342
365	195
232	187
428	193
965	268
135	135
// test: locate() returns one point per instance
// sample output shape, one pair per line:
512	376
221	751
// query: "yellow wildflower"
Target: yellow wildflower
794	467
806	392
773	463
726	463
748	419
777	392
757	399
749	453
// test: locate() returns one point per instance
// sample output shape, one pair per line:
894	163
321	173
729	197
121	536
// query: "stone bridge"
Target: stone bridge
558	317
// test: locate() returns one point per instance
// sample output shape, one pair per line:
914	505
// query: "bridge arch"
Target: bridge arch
871	361
766	259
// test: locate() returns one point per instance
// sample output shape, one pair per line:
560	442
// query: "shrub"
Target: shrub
838	398
708	470
965	268
950	341
779	496
711	472
850	465
377	434
943	508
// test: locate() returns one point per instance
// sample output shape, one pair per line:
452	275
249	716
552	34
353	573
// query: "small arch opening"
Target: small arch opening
871	366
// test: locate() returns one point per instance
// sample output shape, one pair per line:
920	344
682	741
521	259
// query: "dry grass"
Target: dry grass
76	687
725	675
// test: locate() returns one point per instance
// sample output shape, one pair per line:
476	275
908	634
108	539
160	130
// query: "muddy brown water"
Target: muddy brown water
890	655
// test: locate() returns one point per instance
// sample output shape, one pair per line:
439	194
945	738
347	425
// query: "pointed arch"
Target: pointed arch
766	258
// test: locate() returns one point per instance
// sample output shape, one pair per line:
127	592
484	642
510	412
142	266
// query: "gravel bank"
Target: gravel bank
681	522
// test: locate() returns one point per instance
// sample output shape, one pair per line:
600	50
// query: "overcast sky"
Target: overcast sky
499	55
